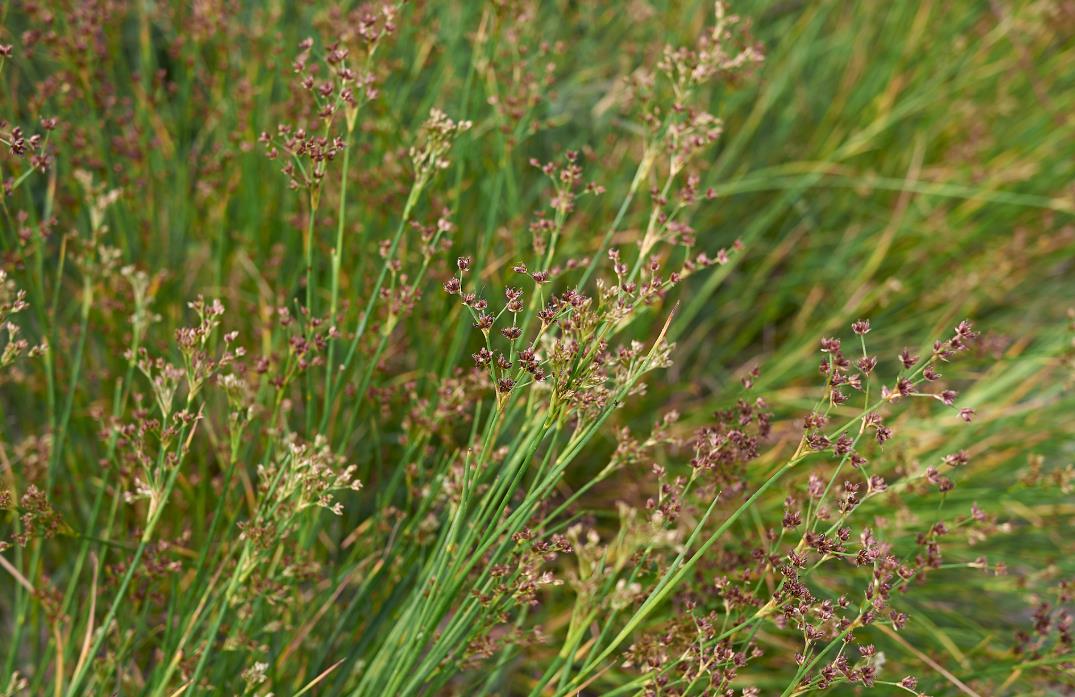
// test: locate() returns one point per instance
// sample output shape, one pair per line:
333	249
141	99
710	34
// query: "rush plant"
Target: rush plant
536	348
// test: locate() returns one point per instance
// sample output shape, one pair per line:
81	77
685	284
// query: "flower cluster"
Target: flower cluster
434	141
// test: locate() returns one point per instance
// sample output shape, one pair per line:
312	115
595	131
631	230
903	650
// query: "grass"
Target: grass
321	485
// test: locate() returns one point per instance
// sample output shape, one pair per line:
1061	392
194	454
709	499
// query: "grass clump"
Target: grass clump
522	348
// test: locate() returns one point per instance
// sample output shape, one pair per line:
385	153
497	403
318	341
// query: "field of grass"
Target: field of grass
521	348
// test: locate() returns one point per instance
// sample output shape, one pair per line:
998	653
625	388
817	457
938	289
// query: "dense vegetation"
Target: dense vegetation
537	348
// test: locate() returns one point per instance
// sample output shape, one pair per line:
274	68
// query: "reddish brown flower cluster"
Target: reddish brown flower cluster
37	517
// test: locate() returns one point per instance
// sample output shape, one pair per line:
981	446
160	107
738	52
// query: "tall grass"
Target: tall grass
522	348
